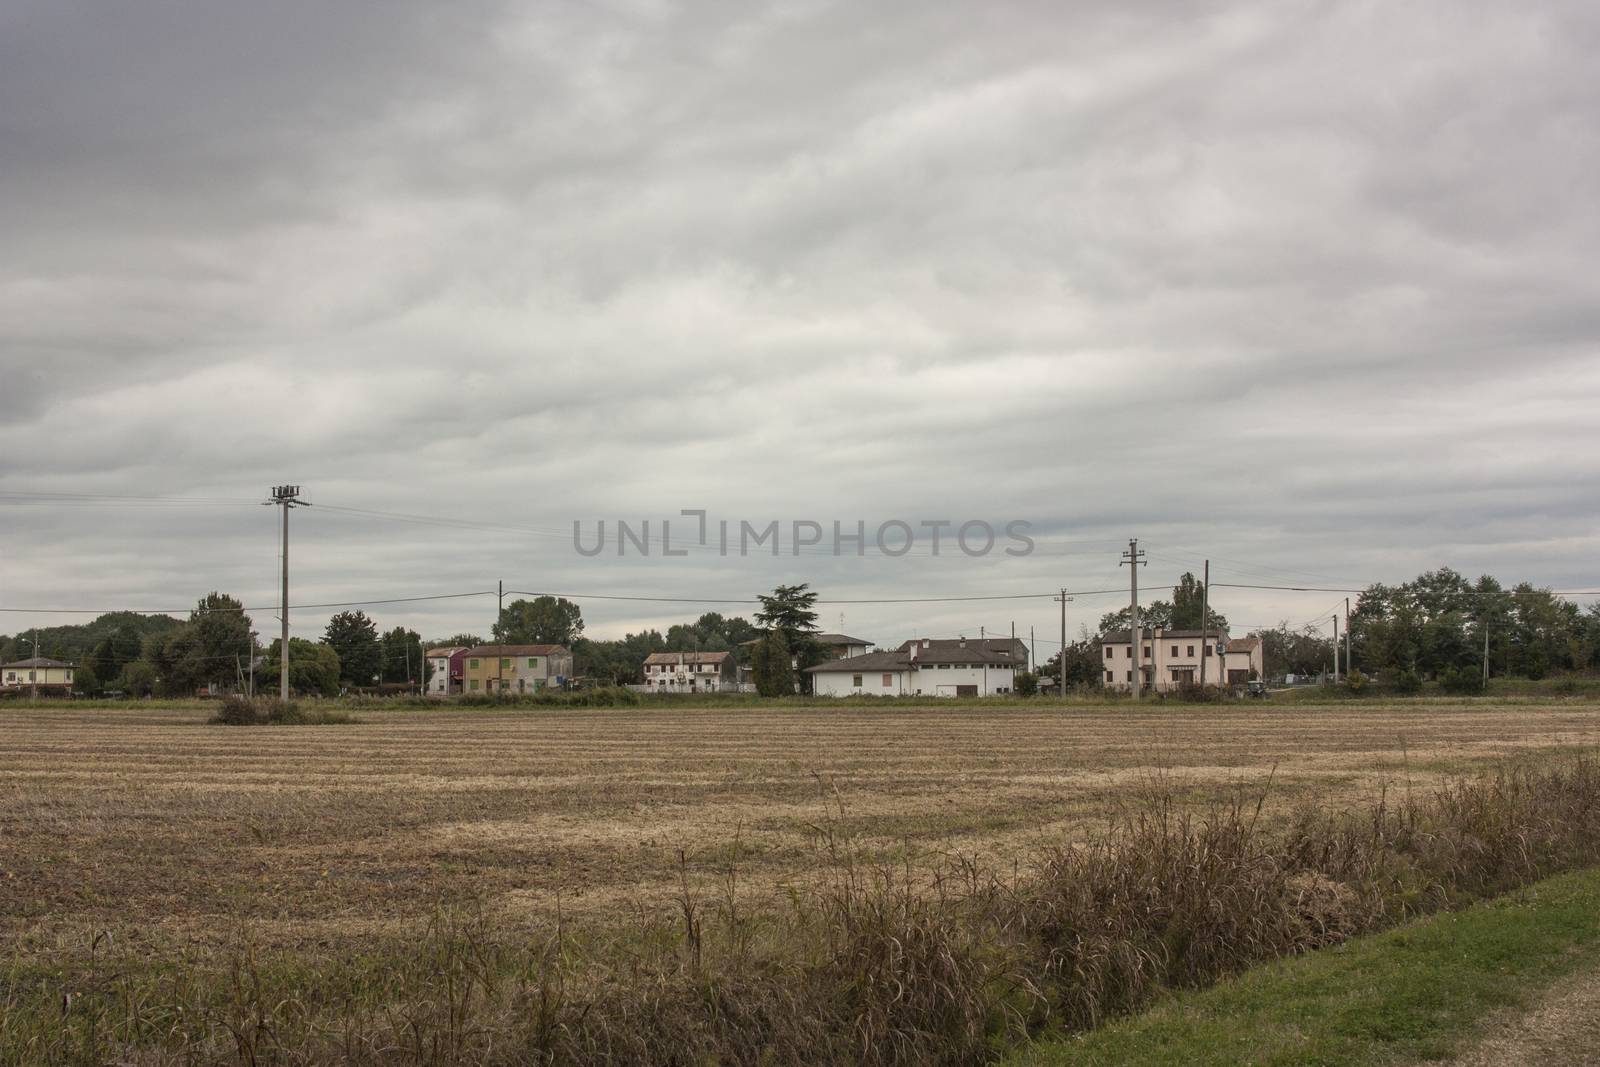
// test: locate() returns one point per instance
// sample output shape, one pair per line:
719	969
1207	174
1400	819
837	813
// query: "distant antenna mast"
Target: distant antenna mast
285	497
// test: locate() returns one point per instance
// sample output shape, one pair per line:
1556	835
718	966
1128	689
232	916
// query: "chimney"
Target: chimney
912	647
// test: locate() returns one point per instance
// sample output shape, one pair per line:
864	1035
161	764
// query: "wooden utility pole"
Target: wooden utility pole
1346	635
1133	558
285	497
1205	619
33	674
1335	649
1485	652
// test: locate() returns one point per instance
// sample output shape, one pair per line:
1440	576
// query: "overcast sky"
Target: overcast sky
1306	288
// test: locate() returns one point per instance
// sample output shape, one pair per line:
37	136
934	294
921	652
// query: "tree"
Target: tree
788	610
1027	683
1188	600
458	641
313	666
402	655
354	638
1156	614
544	620
1288	651
207	650
138	679
771	663
84	680
1083	664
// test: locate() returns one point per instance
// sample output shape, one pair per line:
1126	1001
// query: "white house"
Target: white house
1169	659
924	667
690	672
442	680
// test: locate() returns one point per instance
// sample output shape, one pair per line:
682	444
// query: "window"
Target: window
1108	676
1175	652
533	661
473	684
1191	652
1208	650
1130	676
505	661
944	666
1146	652
1130	653
888	680
472	663
1110	652
855	680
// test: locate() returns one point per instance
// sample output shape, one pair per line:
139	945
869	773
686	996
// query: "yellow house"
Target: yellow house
514	668
51	673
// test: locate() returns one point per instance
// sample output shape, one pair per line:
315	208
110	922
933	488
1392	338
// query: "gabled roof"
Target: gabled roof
688	658
518	650
867	661
37	661
444	653
994	650
1244	644
840	639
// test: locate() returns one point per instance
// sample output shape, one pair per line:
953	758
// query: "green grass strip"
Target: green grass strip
1416	992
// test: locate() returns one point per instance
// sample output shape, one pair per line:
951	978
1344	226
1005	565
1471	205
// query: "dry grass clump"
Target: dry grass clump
267	711
875	964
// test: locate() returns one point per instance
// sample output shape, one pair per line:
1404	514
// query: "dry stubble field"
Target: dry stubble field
179	836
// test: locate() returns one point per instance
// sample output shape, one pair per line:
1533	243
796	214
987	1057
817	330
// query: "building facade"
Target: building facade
53	675
515	669
690	672
446	670
929	667
1171	659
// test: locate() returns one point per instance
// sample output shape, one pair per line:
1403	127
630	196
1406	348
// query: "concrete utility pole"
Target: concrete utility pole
1485	652
1335	649
1133	558
1347	635
33	674
499	614
1061	660
285	497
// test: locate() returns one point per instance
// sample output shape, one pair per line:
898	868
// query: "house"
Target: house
923	667
515	668
690	672
1169	659
52	675
446	668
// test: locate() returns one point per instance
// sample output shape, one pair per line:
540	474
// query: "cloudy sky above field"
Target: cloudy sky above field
1307	288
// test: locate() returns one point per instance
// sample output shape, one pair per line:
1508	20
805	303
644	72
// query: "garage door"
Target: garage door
966	690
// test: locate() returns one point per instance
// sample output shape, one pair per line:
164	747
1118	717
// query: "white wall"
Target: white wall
841	683
933	680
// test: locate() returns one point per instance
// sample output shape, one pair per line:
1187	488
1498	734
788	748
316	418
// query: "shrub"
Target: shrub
1455	680
1408	683
1195	693
236	711
1027	684
1355	681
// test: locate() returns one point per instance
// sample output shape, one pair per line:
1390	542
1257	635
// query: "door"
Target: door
966	690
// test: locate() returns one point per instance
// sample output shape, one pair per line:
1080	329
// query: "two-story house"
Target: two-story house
515	668
690	672
52	675
1170	659
953	667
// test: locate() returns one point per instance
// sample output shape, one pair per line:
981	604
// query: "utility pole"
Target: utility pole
1033	648
499	614
1205	629
1347	635
1485	652
285	497
1061	660
33	674
1133	558
1335	649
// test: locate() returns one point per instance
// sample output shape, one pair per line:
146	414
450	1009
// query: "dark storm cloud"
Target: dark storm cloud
1306	287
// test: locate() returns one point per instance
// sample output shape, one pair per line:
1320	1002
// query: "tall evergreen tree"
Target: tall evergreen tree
354	639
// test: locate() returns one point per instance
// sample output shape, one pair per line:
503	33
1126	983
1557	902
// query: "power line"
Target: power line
270	607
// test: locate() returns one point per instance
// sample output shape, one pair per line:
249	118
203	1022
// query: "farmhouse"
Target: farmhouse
922	667
690	672
446	670
48	674
1169	659
515	668
834	646
1013	649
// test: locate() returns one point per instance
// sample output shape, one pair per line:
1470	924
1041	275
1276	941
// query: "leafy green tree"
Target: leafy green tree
1084	664
789	610
402	655
772	665
209	648
354	639
138	679
313	666
1288	651
1155	614
544	620
458	641
84	680
1188	601
1026	684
